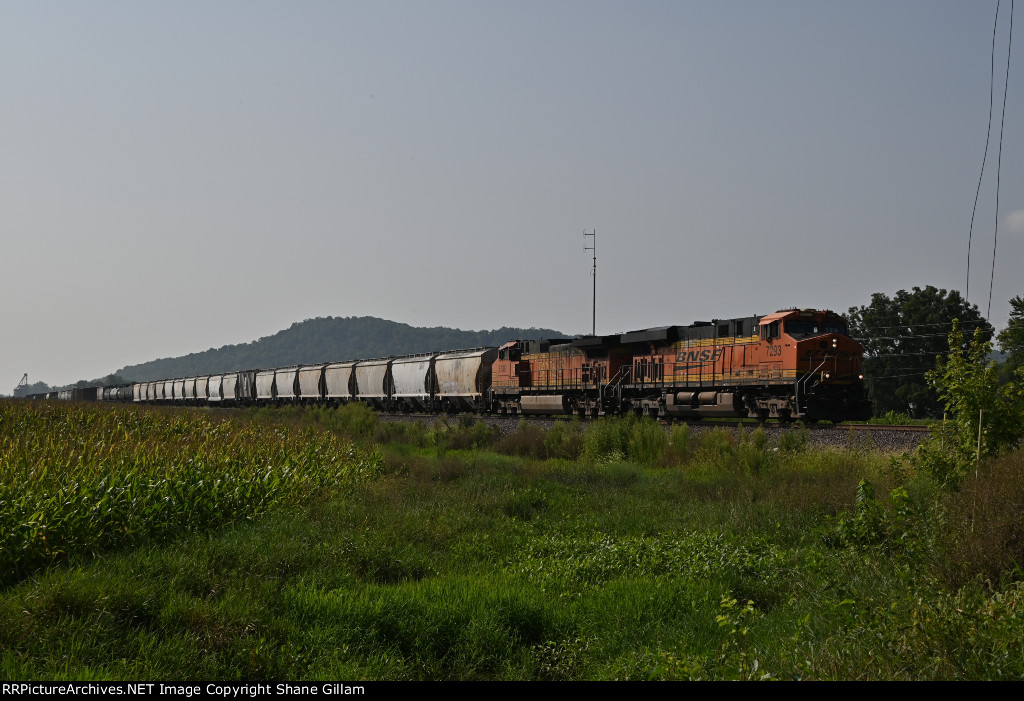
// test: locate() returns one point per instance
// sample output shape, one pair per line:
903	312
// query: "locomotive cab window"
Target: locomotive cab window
770	331
803	329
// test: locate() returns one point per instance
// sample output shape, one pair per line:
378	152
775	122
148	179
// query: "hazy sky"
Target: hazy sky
176	176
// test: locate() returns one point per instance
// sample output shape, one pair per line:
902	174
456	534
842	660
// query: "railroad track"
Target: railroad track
880	437
874	427
749	425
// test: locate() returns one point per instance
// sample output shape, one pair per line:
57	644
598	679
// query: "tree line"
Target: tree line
324	340
905	337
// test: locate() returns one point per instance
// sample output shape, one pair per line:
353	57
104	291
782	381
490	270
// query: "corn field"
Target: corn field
78	480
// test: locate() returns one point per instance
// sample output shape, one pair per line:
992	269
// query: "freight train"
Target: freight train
794	364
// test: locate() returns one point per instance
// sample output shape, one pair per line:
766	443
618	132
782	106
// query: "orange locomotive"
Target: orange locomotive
794	364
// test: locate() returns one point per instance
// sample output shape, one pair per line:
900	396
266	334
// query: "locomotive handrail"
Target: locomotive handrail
619	377
806	378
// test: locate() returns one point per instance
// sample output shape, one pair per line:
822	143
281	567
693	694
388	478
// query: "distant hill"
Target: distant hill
324	340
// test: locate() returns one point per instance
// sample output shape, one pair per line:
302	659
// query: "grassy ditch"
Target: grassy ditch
595	551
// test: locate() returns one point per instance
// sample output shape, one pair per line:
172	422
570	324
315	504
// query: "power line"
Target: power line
899	368
901	338
984	159
903	355
999	167
981	322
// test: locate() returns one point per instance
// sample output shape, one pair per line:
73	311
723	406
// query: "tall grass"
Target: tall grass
689	554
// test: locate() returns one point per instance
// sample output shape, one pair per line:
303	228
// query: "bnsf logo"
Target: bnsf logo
699	356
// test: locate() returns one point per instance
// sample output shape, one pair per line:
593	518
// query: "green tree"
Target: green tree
968	386
38	388
903	337
1011	339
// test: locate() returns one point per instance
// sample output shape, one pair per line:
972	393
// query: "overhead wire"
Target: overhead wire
980	322
999	166
903	355
901	338
893	377
904	337
901	368
984	158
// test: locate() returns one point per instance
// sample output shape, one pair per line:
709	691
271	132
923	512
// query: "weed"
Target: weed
866	526
606	440
564	440
795	440
647	443
679	444
717	443
894	418
528	440
524	504
982	534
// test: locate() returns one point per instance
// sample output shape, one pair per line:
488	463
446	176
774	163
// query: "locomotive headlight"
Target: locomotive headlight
835	342
827	375
860	377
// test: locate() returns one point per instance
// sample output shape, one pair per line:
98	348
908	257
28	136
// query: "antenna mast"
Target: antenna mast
593	274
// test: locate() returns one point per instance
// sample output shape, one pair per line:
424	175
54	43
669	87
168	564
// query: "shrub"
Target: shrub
412	433
986	418
528	440
795	439
467	435
679	444
355	420
717	442
752	453
893	418
606	440
647	443
983	532
564	440
866	525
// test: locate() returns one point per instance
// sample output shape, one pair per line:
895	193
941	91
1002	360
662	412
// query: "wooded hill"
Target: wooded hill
324	340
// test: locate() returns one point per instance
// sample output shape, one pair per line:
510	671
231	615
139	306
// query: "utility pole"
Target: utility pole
593	274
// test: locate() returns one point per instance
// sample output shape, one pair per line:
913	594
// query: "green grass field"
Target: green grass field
188	544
